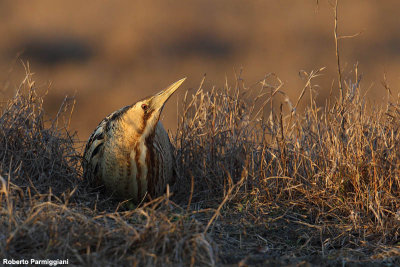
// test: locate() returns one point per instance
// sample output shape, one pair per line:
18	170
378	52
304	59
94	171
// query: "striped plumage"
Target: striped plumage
129	152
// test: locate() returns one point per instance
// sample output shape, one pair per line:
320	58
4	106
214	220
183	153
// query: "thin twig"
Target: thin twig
335	31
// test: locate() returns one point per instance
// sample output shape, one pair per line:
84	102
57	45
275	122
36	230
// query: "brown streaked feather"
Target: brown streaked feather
151	161
138	173
102	128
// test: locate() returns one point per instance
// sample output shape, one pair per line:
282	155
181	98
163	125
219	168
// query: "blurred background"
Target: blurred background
111	53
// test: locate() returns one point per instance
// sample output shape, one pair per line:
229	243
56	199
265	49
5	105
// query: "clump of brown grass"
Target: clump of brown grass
145	236
33	156
213	138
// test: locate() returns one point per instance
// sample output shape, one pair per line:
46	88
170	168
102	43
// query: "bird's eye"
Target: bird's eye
145	107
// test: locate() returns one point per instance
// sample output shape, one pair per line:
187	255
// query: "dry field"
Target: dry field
266	176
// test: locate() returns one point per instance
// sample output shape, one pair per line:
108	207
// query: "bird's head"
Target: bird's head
143	116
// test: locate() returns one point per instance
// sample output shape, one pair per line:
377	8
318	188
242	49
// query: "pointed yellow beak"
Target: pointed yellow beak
161	98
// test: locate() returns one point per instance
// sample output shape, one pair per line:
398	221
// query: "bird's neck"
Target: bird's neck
137	127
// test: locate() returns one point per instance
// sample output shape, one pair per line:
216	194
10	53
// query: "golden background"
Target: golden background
111	53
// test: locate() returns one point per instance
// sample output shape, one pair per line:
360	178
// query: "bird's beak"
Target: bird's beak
161	98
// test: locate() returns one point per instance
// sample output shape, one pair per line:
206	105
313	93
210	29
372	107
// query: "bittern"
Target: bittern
130	152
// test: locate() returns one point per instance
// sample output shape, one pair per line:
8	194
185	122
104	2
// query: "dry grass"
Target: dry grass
322	183
254	185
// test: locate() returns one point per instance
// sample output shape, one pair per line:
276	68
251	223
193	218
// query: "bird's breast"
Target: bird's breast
124	168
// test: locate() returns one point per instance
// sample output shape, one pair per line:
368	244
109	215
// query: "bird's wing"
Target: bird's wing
94	146
164	156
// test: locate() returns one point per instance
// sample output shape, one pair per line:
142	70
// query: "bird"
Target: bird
129	153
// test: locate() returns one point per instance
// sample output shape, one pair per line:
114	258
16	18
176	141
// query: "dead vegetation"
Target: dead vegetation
254	186
321	183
